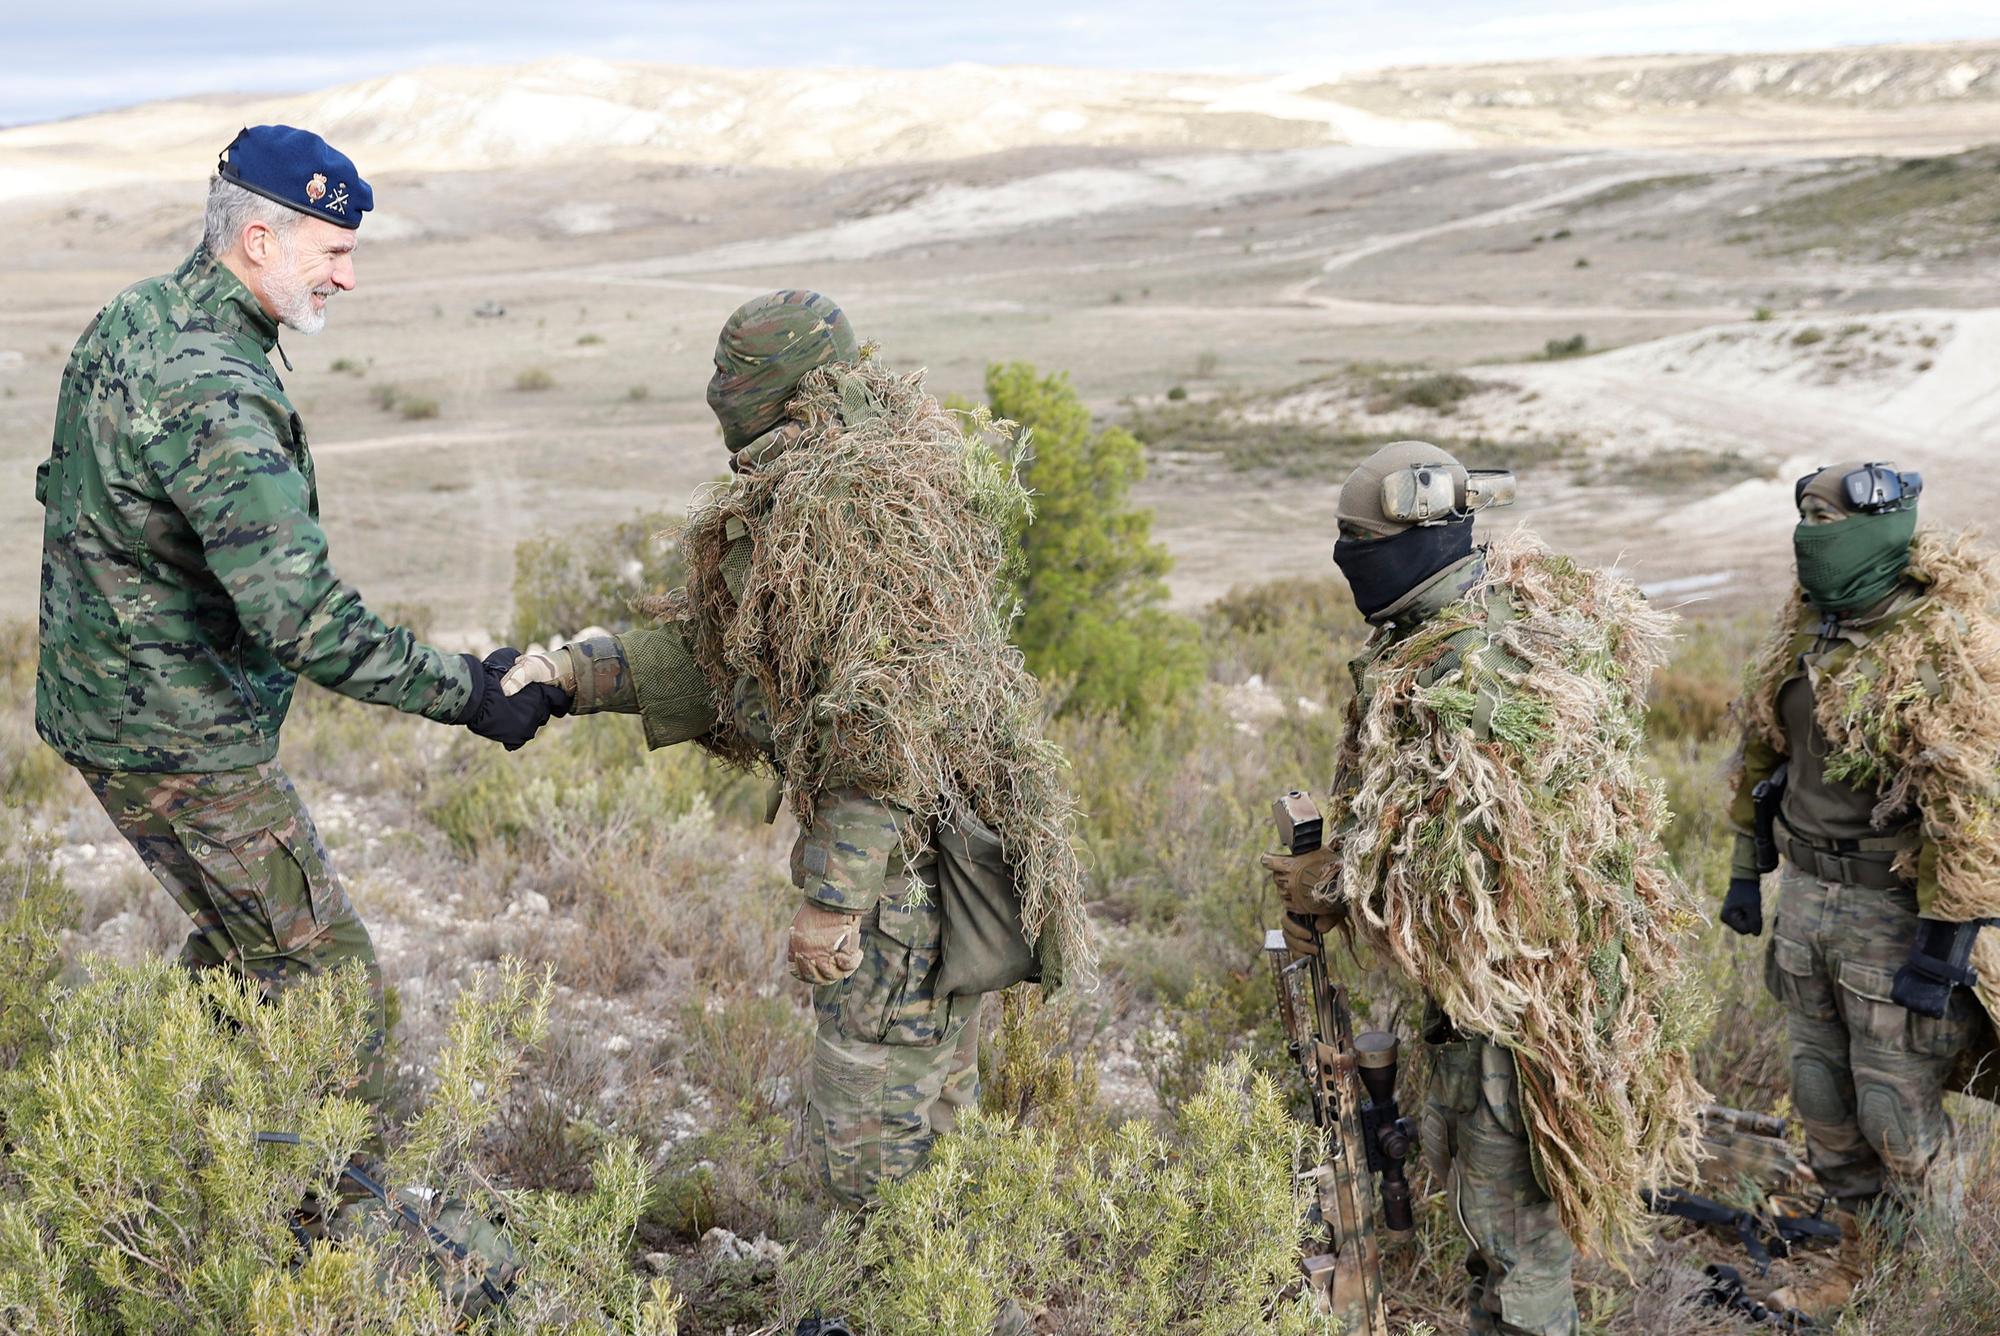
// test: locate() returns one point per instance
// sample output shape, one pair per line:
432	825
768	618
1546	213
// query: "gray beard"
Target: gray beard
290	298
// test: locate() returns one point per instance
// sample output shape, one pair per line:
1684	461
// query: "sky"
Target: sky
66	60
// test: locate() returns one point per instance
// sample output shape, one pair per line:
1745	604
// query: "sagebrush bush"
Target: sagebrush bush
1121	1229
563	585
136	1195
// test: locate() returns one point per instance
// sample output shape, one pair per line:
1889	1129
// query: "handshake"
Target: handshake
513	696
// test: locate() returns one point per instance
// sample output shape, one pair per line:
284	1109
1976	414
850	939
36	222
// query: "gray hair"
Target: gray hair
231	208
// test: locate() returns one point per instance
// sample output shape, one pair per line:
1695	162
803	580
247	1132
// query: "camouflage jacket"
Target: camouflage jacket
185	578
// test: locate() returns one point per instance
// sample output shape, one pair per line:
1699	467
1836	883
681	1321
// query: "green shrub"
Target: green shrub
534	379
1177	392
1092	595
589	340
1576	345
138	1197
1439	393
415	408
1808	336
1110	1230
562	586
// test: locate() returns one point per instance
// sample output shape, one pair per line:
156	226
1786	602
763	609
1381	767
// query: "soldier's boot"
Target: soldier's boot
1825	1290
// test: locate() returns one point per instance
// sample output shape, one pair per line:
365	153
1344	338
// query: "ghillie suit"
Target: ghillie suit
1501	844
1915	716
872	619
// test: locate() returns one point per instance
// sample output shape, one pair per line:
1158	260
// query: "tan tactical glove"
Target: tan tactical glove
825	945
557	667
1296	876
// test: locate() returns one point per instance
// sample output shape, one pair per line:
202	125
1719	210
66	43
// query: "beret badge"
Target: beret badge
316	187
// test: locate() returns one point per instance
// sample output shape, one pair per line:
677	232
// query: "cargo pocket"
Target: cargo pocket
1873	1015
1791	976
892	998
265	876
1454	1094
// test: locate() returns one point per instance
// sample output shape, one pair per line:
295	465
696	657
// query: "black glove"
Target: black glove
1940	960
1743	907
509	720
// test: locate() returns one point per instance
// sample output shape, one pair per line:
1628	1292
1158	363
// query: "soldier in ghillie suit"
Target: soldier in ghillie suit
1871	736
843	624
186	584
1492	833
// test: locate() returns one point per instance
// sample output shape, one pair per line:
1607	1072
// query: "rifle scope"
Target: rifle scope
1388	1131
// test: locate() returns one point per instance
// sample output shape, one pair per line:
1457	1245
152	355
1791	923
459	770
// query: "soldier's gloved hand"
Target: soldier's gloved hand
1300	930
1298	876
1940	960
825	944
509	720
555	667
1743	907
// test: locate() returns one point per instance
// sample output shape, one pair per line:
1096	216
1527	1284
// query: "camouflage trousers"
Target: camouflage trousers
893	1063
1867	1074
1476	1144
239	854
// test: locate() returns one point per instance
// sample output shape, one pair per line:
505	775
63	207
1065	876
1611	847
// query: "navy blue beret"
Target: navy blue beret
299	170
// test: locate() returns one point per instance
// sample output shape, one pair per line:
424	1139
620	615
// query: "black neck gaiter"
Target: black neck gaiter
1382	570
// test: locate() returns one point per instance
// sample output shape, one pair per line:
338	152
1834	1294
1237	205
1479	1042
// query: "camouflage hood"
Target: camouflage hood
766	348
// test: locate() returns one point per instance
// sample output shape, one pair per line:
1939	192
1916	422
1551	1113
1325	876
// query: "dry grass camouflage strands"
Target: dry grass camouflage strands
1515	871
1917	714
872	618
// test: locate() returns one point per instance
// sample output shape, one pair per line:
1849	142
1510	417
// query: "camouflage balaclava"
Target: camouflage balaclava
765	350
1852	563
1385	559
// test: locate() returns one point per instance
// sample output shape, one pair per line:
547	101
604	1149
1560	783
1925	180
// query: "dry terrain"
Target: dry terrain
1252	247
1658	288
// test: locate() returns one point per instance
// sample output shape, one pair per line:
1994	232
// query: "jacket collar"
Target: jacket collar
211	285
1432	596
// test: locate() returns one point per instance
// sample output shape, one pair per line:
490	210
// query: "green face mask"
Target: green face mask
1848	565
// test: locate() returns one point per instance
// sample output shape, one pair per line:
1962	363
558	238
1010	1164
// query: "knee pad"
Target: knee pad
1820	1094
1898	1133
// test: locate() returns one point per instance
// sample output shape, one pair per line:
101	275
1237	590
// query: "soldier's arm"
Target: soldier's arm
650	672
222	454
843	860
602	672
1760	759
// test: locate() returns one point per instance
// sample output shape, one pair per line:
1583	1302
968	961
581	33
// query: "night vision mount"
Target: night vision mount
1441	492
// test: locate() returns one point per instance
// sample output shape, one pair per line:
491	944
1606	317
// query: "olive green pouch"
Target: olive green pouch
984	949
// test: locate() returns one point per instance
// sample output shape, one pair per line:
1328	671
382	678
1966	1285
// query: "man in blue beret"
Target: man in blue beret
186	583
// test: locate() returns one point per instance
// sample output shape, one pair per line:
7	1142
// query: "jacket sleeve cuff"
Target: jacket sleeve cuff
603	678
455	708
1743	858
